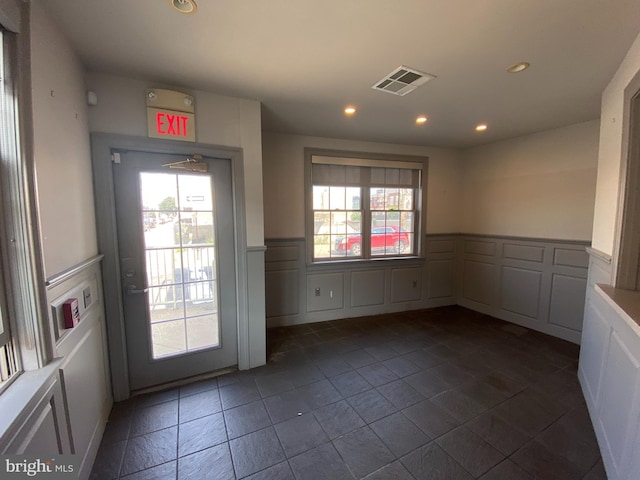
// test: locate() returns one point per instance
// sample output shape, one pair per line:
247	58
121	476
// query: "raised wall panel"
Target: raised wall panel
84	390
41	430
511	279
599	270
567	301
480	282
571	258
42	433
593	350
43	438
406	285
84	371
634	467
463	269
325	291
523	252
521	291
367	288
441	279
282	253
282	292
441	246
256	350
476	247
618	412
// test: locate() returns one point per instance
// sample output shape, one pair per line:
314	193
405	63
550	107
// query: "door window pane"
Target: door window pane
180	262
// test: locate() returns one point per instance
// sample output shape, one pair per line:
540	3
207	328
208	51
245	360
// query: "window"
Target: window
23	338
8	359
363	208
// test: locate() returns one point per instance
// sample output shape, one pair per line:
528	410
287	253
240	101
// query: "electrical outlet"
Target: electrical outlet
86	294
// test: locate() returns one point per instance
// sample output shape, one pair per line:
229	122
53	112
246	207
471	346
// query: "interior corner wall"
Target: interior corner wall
611	154
537	186
61	148
220	120
283	169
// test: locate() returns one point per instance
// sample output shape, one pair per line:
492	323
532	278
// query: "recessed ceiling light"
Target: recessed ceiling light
184	6
349	110
421	119
482	127
518	67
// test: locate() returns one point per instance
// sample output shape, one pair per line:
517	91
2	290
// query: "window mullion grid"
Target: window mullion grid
366	218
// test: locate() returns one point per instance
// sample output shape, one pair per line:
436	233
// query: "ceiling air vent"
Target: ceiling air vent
402	80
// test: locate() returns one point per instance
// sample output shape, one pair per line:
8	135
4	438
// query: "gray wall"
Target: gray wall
539	284
299	293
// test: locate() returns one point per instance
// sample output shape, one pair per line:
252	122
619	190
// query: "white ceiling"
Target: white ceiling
305	60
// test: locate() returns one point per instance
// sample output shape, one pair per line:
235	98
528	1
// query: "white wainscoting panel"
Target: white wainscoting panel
618	408
593	351
42	430
84	368
609	371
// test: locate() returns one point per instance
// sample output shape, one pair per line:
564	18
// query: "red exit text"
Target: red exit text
167	124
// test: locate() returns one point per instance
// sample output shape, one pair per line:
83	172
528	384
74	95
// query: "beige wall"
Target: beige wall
540	185
61	148
220	120
283	166
611	152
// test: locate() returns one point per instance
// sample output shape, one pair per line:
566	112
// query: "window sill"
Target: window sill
625	302
355	262
22	395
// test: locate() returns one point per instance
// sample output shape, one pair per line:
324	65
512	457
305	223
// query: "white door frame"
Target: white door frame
102	148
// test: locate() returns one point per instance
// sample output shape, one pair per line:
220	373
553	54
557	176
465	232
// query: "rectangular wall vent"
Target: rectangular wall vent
402	80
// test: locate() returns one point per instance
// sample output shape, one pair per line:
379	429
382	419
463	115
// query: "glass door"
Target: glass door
175	238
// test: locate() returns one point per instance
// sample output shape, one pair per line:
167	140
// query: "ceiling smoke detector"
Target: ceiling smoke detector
184	6
402	80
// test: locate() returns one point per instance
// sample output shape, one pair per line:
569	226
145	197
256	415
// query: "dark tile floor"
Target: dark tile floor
438	394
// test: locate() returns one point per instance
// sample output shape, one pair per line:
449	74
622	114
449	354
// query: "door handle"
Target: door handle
133	290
